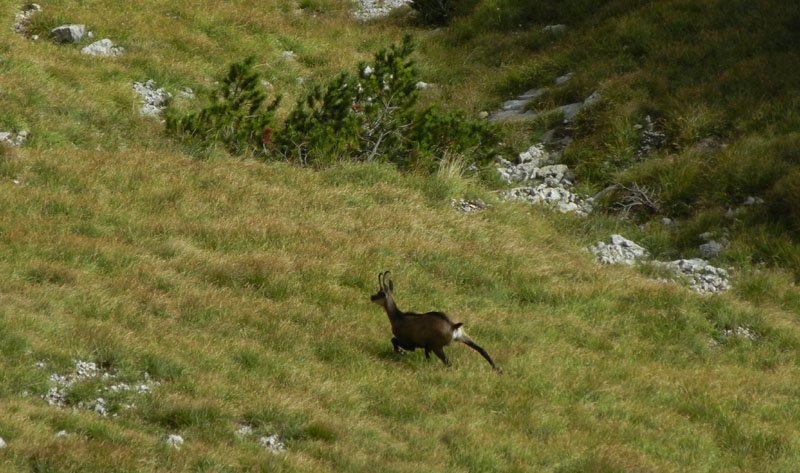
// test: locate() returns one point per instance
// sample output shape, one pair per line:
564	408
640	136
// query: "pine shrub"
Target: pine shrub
368	116
238	115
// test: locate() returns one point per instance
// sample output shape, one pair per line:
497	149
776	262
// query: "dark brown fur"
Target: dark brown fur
431	331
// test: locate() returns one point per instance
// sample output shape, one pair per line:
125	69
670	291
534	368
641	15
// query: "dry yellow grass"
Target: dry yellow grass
242	287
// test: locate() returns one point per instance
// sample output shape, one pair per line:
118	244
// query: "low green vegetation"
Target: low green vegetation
369	116
219	282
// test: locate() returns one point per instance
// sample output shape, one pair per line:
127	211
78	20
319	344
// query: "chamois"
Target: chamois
431	330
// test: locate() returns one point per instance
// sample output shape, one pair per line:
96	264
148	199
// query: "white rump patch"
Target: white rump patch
458	333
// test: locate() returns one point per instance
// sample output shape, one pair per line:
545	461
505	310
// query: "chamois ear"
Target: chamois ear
391	286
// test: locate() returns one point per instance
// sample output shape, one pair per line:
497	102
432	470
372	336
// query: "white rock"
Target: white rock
102	48
701	276
371	9
22	19
14	139
564	79
61	433
244	431
155	100
288	54
272	443
2	443
570	110
68	33
592	99
710	249
174	441
424	85
753	201
619	250
555	29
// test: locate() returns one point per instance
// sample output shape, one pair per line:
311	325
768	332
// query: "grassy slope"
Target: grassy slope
719	70
243	287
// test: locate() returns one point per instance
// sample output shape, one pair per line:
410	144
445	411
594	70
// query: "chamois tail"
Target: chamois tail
460	335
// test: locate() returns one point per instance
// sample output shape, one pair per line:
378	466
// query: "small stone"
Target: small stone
244	431
570	110
102	48
155	100
753	201
61	433
68	33
424	85
710	249
564	79
468	206
174	441
555	29
272	443
592	99
620	250
483	115
371	9
2	443
706	236
288	54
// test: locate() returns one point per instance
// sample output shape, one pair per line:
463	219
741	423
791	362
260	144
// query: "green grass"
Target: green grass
247	300
242	287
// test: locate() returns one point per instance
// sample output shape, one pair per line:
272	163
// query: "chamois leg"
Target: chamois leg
440	353
468	341
428	354
399	350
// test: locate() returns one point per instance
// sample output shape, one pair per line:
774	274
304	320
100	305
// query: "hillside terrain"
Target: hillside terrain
164	309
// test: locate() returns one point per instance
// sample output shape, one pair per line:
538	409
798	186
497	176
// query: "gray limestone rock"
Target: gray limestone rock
710	249
22	20
468	206
174	441
371	9
14	139
68	33
701	276
563	79
555	29
619	250
155	99
570	110
104	48
272	443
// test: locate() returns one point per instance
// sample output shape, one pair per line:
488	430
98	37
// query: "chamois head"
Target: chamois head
385	290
